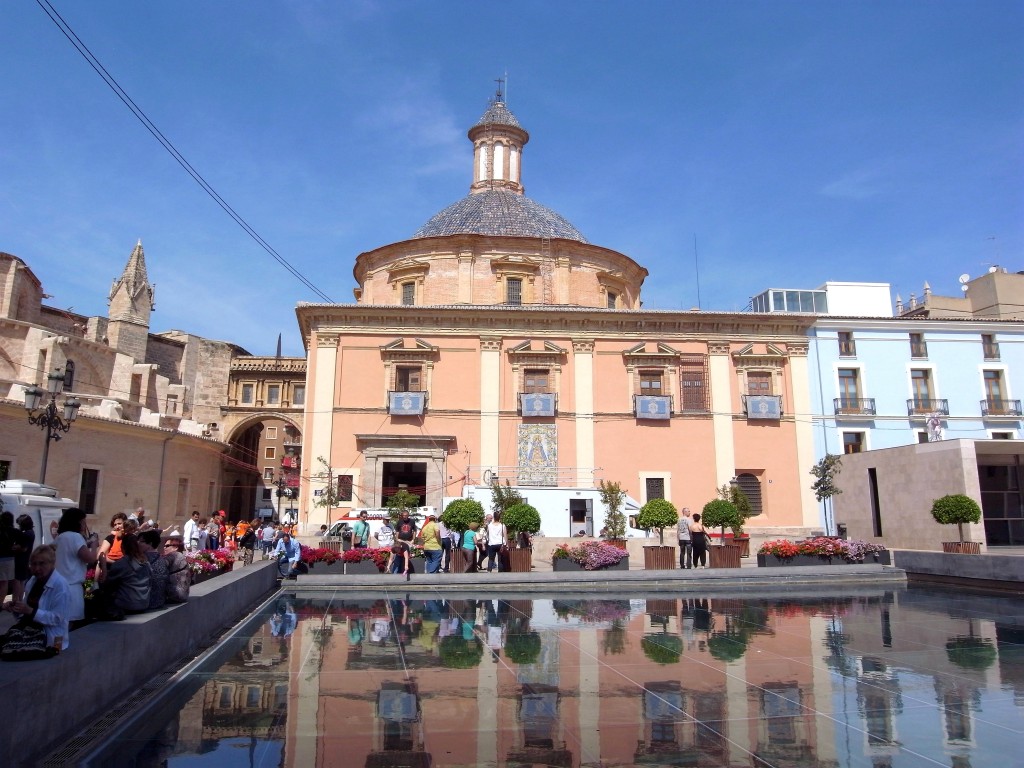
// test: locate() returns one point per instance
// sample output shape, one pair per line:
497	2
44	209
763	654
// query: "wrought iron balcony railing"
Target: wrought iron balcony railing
854	406
1000	408
921	406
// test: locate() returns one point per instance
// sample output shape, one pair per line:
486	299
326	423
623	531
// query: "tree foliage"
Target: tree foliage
956	508
461	512
720	513
613	497
662	648
825	472
403	501
733	493
521	518
523	647
504	497
329	497
657	514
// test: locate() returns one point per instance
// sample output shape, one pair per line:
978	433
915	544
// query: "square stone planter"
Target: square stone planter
725	556
328	569
772	561
565	564
362	568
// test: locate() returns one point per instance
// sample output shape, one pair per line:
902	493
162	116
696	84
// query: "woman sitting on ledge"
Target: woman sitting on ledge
179	577
44	610
124	585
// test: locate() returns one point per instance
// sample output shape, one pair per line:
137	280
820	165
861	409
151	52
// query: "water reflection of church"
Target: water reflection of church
705	683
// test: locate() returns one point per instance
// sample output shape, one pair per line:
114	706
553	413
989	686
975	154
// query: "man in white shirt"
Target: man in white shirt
192	532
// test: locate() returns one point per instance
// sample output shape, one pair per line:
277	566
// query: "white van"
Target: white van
375	517
40	502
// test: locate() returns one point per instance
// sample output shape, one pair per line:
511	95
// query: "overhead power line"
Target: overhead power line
100	70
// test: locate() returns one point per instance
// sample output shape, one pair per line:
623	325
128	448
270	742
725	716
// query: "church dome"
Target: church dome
499	212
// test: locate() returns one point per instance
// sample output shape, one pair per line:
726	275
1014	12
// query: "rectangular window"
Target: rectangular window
274	394
922	437
655	487
853	442
693	383
408	293
271	433
847	346
247	394
876	509
535	380
650	382
514	291
181	502
89	490
268	494
408	379
344	487
268	473
989	346
299	394
270	452
994	391
918	346
1002	435
171	406
5	470
611	300
759	383
921	385
849	390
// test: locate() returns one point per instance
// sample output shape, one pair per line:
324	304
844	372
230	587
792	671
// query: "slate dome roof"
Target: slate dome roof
499	212
498	114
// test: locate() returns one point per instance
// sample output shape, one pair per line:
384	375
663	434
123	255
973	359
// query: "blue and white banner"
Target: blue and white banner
537	404
764	407
653	406
407	403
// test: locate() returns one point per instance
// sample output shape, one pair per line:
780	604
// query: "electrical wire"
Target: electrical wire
150	126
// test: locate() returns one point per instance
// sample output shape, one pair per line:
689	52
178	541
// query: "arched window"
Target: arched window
751	486
69	376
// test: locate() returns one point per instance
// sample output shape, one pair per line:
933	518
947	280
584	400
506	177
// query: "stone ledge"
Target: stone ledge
1004	571
55	699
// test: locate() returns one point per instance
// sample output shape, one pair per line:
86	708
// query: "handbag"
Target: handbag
25	641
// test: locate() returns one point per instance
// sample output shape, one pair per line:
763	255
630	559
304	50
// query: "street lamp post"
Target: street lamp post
283	490
49	419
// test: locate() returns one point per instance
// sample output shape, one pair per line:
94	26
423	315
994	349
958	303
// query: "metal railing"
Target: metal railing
854	406
1000	408
919	406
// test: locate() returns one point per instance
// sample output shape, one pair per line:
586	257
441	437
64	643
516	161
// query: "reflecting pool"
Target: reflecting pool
912	677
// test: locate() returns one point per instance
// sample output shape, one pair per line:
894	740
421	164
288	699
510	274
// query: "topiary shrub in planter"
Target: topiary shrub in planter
520	518
658	514
971	652
727	646
523	647
959	509
662	648
460	513
458	653
722	514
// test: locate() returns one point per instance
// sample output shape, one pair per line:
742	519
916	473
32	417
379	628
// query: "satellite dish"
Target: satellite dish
964	278
993	269
963	288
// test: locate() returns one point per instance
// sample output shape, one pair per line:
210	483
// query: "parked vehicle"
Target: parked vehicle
43	503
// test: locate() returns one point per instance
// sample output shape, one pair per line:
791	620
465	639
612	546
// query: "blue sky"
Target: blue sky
799	142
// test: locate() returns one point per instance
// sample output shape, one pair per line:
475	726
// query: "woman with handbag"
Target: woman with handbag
497	537
699	542
77	549
42	629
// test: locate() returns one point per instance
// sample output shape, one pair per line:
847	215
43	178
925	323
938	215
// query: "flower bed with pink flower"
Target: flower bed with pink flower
312	555
379	556
852	551
209	562
591	555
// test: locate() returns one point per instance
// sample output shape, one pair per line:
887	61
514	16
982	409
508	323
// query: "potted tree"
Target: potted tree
959	509
662	647
521	518
613	497
658	514
722	514
523	647
459	514
732	492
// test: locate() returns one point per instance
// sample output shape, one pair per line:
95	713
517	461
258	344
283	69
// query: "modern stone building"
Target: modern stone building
497	343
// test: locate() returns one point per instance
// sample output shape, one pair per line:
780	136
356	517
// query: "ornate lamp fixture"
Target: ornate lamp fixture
48	418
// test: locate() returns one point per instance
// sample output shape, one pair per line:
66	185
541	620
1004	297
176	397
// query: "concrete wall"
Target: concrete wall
994	570
54	700
910	478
